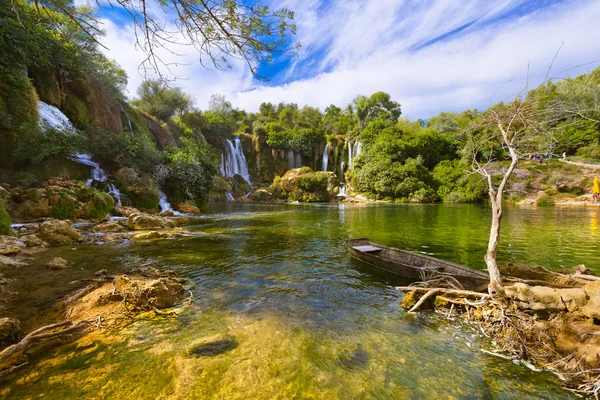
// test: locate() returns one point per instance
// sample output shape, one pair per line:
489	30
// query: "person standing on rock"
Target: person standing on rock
596	190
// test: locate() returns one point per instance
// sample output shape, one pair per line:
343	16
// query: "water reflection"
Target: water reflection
281	311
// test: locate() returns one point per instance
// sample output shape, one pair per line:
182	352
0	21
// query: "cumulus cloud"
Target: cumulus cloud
430	56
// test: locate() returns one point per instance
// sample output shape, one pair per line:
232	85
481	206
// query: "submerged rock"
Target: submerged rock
57	263
11	262
212	349
355	359
58	232
109	226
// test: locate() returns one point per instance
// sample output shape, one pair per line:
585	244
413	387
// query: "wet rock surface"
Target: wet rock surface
59	232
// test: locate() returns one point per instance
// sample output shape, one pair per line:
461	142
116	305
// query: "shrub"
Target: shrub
36	145
4	219
302	185
590	151
192	174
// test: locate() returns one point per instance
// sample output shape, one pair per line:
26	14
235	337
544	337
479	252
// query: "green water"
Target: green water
280	311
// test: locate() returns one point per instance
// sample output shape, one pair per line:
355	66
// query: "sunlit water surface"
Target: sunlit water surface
280	311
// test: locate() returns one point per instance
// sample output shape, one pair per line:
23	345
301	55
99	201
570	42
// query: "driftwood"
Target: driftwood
39	340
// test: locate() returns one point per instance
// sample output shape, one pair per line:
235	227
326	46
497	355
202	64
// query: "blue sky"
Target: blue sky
430	55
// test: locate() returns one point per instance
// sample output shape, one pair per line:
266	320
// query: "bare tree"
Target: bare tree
217	29
504	132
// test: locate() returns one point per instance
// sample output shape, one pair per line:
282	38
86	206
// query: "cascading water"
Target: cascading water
233	161
342	192
98	174
128	120
164	204
353	151
325	157
52	118
298	160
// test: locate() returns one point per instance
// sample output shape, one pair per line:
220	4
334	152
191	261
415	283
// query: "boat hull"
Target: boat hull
414	266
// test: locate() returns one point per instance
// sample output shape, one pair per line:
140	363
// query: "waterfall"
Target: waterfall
353	151
164	204
233	161
52	118
349	146
325	157
342	192
128	120
98	174
229	196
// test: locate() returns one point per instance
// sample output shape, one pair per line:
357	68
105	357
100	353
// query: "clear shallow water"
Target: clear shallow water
281	311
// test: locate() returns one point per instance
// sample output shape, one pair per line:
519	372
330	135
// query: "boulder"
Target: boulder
141	221
57	263
10	245
10	330
167	213
58	232
163	293
187	208
109	226
125	211
32	240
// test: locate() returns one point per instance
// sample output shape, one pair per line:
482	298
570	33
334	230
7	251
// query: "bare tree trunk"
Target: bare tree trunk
495	286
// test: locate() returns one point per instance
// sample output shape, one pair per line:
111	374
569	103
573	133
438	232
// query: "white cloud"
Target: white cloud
355	47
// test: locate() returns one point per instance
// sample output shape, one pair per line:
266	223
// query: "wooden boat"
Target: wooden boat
415	266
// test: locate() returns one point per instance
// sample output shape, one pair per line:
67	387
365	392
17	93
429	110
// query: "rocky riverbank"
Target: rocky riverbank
546	318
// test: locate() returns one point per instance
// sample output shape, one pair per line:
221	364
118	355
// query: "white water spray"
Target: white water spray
233	161
325	157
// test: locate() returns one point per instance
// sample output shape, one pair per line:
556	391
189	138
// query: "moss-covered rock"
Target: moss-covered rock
302	184
146	221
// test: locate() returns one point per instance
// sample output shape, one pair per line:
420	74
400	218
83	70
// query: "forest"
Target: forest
161	139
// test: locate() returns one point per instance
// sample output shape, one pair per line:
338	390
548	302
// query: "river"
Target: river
283	312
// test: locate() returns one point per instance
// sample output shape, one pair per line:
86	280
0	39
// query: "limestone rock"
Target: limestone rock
10	245
10	330
125	211
592	308
592	289
58	232
32	240
139	237
163	293
535	297
180	221
109	226
574	298
167	213
187	208
140	221
11	262
57	263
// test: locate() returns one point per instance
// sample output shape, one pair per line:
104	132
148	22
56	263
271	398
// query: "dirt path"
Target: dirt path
583	165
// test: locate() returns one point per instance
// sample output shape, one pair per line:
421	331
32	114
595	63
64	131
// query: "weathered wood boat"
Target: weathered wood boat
415	266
